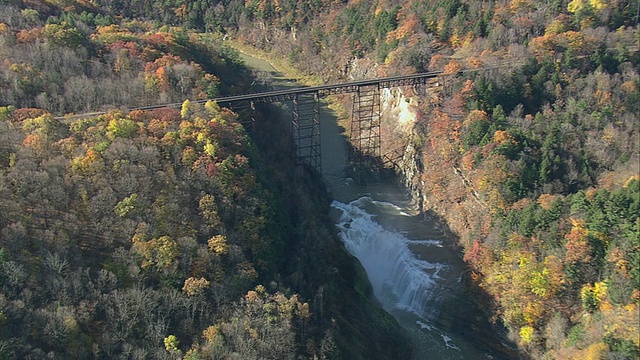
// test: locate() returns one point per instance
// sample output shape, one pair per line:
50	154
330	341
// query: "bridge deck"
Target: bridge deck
352	86
290	94
365	134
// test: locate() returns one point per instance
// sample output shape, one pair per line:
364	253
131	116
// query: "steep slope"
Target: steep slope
165	233
532	161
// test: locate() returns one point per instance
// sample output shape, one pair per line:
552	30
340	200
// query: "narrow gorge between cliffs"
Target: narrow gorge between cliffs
415	273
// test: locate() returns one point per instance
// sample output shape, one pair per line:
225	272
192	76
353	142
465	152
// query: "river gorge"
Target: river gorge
414	270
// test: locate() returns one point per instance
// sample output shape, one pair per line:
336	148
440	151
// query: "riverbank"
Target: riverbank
289	71
276	63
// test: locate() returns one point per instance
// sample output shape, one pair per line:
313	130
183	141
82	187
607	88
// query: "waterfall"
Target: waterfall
406	285
400	279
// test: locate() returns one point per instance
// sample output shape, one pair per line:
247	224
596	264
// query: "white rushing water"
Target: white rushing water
412	275
399	279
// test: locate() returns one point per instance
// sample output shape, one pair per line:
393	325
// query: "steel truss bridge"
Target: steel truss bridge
305	124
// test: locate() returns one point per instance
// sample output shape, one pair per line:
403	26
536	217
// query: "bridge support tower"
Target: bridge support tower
365	127
305	128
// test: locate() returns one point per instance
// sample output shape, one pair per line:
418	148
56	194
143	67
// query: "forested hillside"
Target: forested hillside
81	59
165	234
532	159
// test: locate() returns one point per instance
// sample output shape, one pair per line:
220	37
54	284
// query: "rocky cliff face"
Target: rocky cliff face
399	116
409	143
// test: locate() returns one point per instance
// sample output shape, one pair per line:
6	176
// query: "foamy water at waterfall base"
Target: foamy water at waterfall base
399	279
406	284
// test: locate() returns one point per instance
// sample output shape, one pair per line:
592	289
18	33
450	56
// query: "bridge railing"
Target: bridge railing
331	89
291	94
365	122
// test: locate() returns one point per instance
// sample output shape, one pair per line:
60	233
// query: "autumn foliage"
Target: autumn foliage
530	155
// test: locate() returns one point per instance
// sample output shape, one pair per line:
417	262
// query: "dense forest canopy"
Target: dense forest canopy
168	233
82	61
532	159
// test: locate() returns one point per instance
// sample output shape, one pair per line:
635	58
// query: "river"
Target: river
415	274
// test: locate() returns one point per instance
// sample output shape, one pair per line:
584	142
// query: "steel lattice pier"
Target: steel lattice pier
305	128
365	125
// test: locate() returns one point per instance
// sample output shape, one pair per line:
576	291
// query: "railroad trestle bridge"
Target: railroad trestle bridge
364	134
